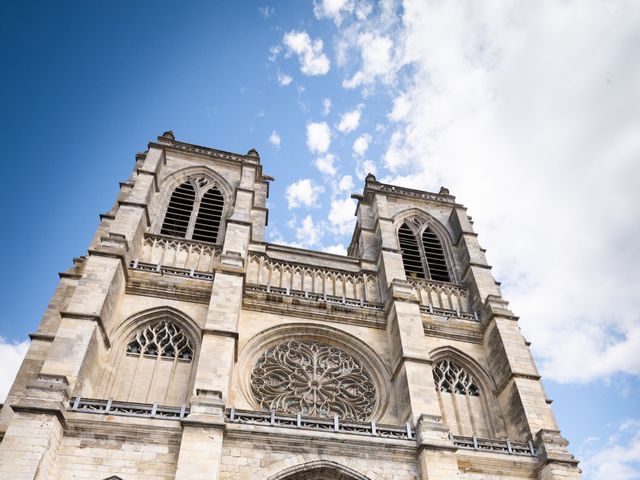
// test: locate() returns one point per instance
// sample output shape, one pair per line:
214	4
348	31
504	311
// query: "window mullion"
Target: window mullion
194	215
423	253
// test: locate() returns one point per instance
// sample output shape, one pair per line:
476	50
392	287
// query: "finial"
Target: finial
253	153
168	134
444	191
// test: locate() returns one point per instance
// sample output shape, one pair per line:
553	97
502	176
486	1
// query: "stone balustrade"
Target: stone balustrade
178	253
442	298
312	280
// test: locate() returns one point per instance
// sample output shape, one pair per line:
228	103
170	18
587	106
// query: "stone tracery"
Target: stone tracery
162	339
450	377
313	379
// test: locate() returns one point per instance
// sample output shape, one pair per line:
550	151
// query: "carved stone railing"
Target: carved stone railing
333	424
311	281
316	297
499	446
441	298
127	409
169	252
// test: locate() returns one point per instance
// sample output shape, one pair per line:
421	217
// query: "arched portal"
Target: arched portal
321	473
318	470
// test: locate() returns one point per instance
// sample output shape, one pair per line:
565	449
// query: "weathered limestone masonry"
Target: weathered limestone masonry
184	346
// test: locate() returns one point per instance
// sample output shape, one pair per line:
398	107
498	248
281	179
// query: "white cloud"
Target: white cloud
266	11
349	121
401	108
535	130
361	145
303	193
365	167
377	62
337	249
12	355
326	106
617	458
309	52
333	9
274	51
396	157
318	137
275	139
325	164
346	183
342	215
284	79
307	232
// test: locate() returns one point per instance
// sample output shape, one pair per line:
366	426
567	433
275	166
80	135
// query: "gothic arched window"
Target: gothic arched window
152	365
194	211
161	339
422	258
462	401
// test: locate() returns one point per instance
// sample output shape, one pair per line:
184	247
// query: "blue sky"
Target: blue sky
527	111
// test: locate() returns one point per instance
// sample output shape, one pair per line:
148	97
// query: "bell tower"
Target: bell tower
461	365
182	345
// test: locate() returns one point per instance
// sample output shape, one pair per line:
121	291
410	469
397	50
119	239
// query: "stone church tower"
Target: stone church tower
185	346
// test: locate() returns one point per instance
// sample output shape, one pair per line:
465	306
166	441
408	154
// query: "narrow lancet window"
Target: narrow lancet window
434	255
209	214
411	257
176	220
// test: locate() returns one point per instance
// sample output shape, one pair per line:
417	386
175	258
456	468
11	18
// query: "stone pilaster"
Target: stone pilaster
436	452
556	462
203	433
28	449
202	436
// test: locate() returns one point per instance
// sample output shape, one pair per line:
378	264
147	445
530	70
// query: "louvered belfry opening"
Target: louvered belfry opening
434	255
209	215
411	257
195	211
176	220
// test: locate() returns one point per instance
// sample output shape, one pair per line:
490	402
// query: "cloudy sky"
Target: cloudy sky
529	112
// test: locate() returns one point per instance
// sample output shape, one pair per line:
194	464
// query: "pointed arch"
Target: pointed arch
466	394
318	469
152	358
425	246
201	219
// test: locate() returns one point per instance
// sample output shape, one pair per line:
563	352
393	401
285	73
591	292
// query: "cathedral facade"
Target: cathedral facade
185	346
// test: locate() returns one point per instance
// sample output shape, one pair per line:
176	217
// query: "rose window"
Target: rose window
313	379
